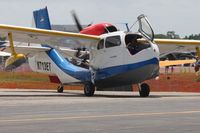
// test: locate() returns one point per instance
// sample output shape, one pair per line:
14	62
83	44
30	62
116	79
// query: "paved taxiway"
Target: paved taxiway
33	111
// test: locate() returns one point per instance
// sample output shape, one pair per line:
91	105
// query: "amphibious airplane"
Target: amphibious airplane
99	56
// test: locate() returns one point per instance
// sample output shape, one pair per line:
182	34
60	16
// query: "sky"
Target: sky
181	16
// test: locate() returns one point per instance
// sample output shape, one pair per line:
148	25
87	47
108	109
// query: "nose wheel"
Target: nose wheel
144	90
89	89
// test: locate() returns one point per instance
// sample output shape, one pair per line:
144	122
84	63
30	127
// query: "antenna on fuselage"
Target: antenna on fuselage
127	28
123	28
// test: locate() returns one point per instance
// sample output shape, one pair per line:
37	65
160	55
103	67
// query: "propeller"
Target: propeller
80	28
76	20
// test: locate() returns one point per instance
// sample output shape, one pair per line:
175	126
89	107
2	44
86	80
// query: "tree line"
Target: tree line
173	35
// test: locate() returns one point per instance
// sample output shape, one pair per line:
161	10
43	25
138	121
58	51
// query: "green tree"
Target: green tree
169	35
193	36
161	36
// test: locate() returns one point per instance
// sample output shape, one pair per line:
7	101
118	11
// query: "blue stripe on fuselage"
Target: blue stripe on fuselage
111	71
67	67
84	75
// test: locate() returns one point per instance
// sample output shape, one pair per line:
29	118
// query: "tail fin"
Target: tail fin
41	19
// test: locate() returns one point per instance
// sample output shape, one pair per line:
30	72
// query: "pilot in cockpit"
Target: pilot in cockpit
133	46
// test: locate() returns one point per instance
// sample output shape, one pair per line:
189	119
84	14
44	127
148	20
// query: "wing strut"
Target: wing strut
15	60
198	52
10	38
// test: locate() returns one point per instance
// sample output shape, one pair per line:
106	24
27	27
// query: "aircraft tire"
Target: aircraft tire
60	89
144	90
89	89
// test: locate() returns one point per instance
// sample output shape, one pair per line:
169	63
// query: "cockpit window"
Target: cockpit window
110	29
112	41
145	27
100	44
134	44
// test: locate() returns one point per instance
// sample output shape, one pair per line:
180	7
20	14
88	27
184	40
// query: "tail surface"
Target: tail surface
41	19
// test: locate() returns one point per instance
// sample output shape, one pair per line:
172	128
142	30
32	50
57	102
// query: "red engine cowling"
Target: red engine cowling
99	29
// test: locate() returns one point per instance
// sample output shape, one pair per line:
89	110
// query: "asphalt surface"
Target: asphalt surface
33	111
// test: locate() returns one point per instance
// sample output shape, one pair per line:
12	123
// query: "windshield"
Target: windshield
145	27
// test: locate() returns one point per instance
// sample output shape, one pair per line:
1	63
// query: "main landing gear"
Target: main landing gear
89	89
144	90
60	89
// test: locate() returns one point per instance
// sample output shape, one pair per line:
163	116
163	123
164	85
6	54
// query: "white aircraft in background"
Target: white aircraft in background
105	57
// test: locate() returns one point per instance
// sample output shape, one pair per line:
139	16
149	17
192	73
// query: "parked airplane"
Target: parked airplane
112	58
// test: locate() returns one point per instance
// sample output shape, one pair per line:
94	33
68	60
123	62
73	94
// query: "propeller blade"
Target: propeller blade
76	20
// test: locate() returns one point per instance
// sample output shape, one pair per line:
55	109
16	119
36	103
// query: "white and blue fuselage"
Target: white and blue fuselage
110	64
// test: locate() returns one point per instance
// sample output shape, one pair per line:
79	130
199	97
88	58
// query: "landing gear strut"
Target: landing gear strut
60	89
89	89
144	90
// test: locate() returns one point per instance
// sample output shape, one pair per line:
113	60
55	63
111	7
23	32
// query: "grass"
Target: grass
23	77
180	82
29	80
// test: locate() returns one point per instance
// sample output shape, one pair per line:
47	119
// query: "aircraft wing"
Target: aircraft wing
24	49
170	45
167	45
50	37
175	62
177	42
37	48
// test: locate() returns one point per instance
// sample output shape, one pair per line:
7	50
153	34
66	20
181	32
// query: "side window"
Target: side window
112	41
100	44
